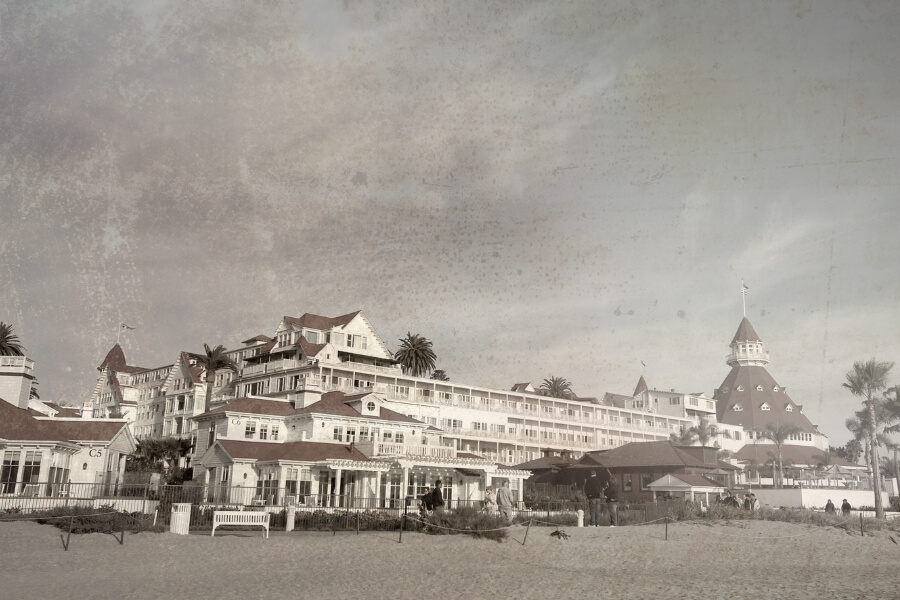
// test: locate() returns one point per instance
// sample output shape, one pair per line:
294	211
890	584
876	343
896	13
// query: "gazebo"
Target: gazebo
689	487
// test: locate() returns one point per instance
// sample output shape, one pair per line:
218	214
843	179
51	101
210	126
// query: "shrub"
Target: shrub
103	519
468	521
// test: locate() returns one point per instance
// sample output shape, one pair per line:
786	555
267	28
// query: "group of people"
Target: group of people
845	507
433	500
501	499
747	502
597	490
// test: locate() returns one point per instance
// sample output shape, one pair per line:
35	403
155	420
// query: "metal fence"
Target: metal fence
311	511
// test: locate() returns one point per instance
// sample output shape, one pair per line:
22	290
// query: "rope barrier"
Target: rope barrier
61	517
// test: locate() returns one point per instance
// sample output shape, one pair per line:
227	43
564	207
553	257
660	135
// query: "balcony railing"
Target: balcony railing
375	449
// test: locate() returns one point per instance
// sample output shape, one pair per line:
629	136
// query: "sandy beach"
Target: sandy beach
750	559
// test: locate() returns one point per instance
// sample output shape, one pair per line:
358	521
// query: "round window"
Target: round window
370	405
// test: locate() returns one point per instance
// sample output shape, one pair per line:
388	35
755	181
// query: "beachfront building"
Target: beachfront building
346	354
332	449
44	451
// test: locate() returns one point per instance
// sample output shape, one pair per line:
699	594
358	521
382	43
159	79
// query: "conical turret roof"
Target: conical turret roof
640	387
745	333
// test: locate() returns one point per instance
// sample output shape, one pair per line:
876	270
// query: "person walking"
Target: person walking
593	489
505	501
613	496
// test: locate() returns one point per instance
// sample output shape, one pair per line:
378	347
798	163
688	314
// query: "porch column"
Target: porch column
337	487
405	489
43	474
281	492
20	474
377	489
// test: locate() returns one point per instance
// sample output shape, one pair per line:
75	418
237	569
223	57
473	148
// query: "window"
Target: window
479	426
765	406
250	430
646	480
693	401
788	408
274	432
737	407
337	433
370	406
350	434
399	437
674	401
775	388
211	435
739	388
264	432
759	388
312	336
387	436
9	472
626	482
737	435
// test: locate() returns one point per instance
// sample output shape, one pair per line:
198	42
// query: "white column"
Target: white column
337	487
405	489
377	488
281	480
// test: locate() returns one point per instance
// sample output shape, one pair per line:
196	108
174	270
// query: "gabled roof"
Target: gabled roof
319	322
254	406
523	387
643	454
617	400
115	361
63	411
194	370
546	462
257	338
685	481
640	387
745	333
308	348
336	403
290	451
17	424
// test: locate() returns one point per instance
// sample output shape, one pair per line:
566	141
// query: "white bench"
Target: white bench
240	517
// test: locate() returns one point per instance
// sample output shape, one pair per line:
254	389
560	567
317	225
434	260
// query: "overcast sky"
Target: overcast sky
541	189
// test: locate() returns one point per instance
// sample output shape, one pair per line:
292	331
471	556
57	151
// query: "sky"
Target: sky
541	189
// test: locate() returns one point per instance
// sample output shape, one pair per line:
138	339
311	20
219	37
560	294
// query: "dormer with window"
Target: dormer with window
367	406
759	388
737	408
765	406
788	408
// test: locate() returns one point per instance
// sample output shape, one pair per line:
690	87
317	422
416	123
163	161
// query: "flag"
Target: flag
128	327
642	364
744	288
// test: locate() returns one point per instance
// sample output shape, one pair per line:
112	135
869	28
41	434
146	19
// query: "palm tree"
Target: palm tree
9	342
33	392
415	355
867	380
213	360
893	465
685	437
556	387
778	435
704	432
440	375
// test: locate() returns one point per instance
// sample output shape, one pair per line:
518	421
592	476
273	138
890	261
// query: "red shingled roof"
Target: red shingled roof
643	454
258	338
293	451
18	424
745	333
336	403
322	323
254	406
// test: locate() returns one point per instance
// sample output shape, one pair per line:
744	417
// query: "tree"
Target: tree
556	387
704	432
867	380
440	375
685	437
9	342
213	360
778	435
415	355
849	451
33	393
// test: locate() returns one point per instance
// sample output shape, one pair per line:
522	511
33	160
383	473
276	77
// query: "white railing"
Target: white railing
371	449
276	365
396	371
17	361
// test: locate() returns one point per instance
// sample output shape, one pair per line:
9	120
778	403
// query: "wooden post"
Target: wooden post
527	528
69	535
667	529
861	525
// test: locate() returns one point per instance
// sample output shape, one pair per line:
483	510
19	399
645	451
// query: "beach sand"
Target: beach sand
747	559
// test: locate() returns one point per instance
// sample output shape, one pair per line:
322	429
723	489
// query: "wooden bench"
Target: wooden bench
240	517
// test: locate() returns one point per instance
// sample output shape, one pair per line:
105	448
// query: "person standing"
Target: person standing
490	500
845	508
593	489
437	497
505	501
829	507
612	502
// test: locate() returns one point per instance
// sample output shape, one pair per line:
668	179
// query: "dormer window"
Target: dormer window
788	408
370	406
775	388
739	388
765	406
759	388
737	408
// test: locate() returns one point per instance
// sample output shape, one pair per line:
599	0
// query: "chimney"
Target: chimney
15	379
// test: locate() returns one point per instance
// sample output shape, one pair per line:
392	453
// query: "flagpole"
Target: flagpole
744	289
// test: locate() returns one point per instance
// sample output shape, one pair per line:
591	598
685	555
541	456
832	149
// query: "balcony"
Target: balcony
20	364
276	365
374	449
